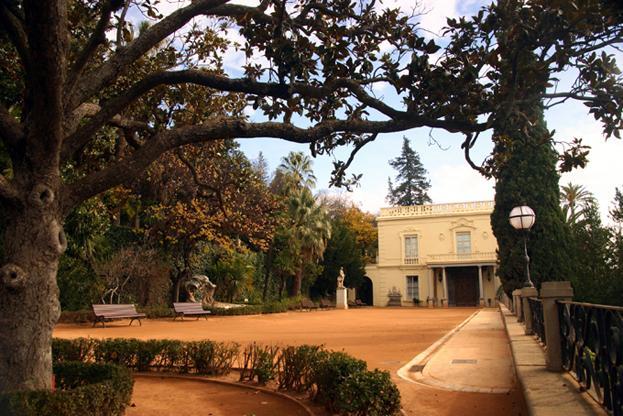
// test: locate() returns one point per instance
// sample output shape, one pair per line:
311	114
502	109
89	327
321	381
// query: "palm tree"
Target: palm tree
312	230
297	168
574	199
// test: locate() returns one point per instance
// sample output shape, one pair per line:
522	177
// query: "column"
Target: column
431	288
550	293
445	287
480	287
517	304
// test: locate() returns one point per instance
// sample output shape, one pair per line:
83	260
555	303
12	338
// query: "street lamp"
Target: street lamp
522	219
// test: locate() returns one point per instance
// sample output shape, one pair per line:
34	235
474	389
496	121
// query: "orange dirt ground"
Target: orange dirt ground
386	338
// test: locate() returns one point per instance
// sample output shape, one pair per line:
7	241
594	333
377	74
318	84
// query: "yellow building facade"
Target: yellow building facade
435	255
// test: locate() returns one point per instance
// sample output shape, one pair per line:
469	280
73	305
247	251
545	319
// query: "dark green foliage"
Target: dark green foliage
342	251
329	374
528	177
598	275
82	389
412	185
368	393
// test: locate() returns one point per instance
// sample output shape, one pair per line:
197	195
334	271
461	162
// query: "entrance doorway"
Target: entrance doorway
365	291
463	286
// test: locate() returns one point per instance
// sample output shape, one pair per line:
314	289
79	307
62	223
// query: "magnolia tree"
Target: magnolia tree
75	80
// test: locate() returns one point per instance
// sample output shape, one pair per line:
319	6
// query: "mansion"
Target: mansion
435	255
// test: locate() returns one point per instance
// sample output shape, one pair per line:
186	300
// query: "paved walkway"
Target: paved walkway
476	357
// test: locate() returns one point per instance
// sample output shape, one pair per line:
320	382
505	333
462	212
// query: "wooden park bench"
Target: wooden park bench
358	302
104	313
183	309
325	304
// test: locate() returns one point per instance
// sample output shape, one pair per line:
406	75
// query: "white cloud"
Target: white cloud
459	183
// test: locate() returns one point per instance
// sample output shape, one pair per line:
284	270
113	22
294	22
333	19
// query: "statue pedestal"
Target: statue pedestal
341	300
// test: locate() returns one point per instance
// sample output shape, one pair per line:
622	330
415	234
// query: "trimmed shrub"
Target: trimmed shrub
297	367
261	362
209	357
82	389
368	393
330	372
79	349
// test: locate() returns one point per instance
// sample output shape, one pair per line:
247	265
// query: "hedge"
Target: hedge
328	377
97	389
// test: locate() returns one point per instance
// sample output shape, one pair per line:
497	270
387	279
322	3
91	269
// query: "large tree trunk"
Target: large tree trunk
29	305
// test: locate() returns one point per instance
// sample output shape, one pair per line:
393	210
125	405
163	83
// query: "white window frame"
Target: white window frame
461	247
410	259
412	282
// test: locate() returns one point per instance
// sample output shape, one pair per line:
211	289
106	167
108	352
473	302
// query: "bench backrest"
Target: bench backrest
114	310
181	307
306	303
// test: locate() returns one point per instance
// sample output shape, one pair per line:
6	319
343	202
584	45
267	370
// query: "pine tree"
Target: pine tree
412	184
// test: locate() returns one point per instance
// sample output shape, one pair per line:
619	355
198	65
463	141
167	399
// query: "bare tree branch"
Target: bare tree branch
93	81
15	30
11	132
97	38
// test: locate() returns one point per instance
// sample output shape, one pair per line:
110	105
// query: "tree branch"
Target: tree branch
95	80
220	128
97	38
81	137
11	130
15	30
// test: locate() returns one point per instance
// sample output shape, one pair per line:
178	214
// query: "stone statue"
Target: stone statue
340	278
200	286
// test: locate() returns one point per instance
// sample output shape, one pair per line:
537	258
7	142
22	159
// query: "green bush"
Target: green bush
209	357
368	393
82	389
259	362
330	372
297	366
335	379
78	349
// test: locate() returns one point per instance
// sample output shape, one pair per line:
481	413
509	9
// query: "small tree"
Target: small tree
412	185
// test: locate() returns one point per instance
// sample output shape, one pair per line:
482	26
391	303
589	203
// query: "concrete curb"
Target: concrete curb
230	384
546	393
422	358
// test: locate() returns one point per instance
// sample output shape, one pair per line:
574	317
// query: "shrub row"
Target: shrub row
338	381
201	357
98	389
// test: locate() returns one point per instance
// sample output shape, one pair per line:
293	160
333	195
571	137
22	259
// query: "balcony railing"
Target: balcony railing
538	325
437	209
463	257
411	260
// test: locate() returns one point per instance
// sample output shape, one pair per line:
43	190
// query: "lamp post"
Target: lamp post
522	219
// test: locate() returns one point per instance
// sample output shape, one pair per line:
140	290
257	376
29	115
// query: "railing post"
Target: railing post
527	292
517	304
550	293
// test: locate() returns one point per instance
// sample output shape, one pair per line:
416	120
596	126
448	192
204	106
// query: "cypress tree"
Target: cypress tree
412	184
526	174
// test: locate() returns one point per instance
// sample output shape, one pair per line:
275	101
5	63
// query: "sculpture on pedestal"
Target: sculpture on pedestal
340	278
